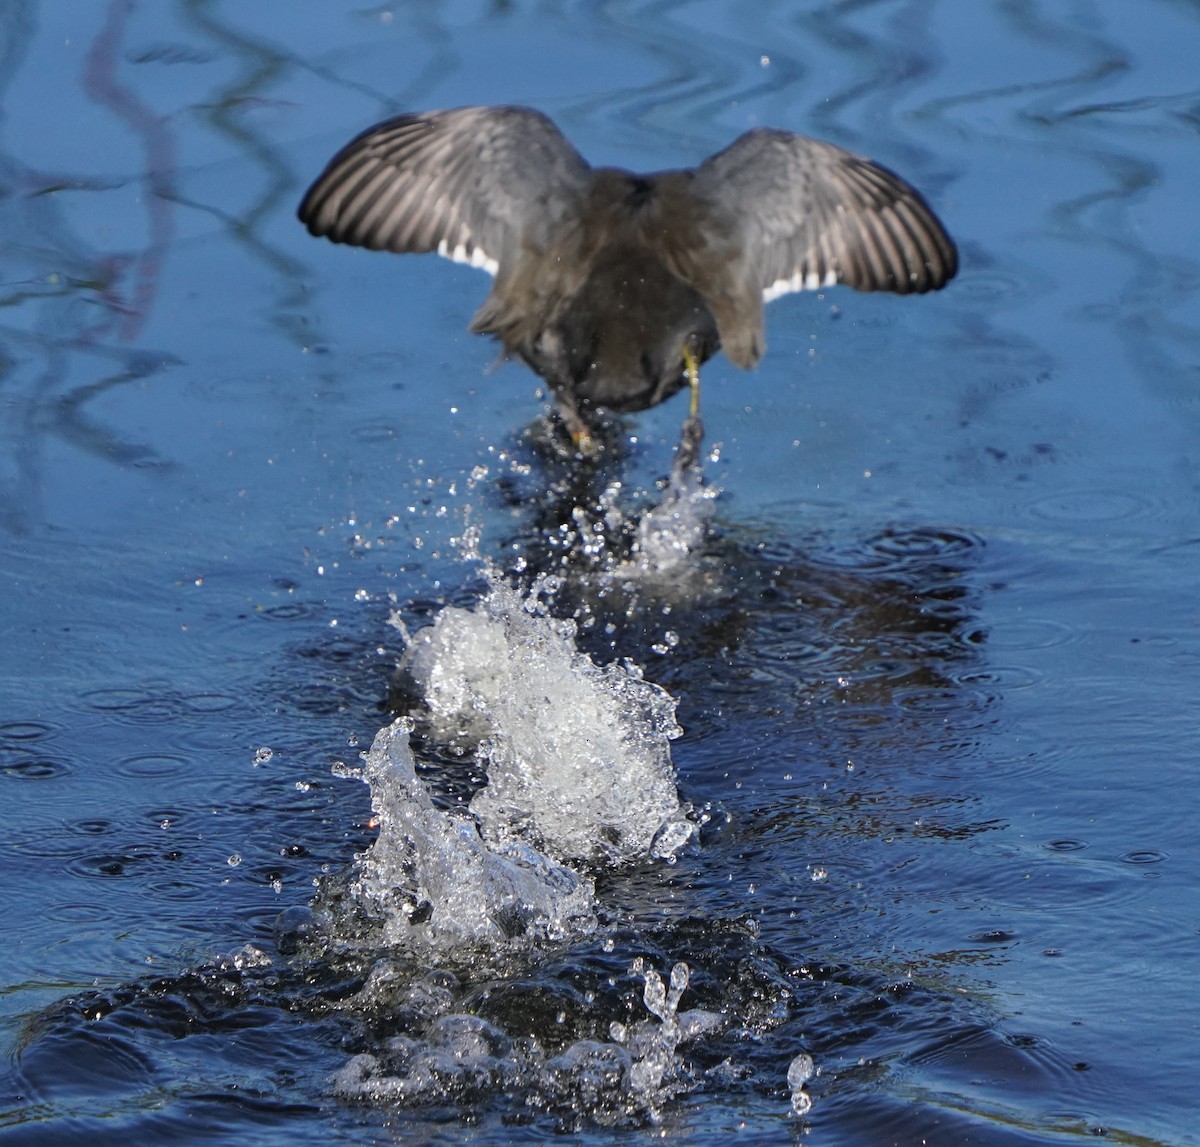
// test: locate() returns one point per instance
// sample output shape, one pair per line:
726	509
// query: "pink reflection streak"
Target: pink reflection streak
101	84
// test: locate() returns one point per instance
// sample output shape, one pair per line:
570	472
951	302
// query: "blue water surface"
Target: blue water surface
942	687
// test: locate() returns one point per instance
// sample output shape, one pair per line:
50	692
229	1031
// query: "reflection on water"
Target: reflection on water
925	623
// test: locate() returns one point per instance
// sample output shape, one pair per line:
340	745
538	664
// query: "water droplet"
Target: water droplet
800	1070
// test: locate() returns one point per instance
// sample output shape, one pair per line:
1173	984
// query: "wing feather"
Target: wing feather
807	214
474	184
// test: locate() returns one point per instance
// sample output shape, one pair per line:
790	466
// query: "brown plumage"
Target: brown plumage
608	284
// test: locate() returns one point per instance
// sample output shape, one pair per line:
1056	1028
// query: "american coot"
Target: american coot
613	286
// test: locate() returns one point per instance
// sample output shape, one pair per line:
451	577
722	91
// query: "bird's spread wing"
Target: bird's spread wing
471	184
807	214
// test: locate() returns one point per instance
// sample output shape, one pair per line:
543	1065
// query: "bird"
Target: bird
615	287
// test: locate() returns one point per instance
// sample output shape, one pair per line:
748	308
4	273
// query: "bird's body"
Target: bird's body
601	316
610	285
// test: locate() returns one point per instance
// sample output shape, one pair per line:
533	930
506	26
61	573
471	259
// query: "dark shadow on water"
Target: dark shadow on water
284	1029
886	618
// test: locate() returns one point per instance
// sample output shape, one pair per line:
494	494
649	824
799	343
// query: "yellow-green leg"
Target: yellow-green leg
687	454
691	371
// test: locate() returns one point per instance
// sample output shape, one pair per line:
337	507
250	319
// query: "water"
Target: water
927	625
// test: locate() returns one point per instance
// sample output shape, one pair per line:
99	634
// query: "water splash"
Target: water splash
430	882
460	1058
577	756
653	1046
579	778
578	771
670	534
600	532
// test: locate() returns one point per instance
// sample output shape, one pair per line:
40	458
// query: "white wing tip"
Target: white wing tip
473	257
800	281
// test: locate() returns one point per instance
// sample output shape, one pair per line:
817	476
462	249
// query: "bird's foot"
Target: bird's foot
691	438
585	445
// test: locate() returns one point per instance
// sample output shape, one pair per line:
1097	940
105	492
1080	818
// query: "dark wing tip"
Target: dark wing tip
883	235
812	214
469	183
367	196
862	225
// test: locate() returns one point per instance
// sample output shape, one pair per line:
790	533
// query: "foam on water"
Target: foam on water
577	756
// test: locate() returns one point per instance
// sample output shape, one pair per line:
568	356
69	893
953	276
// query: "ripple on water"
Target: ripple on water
148	766
1143	856
22	731
1058	886
21	754
1005	1067
994	286
1024	633
91	827
111	865
144	706
936	702
994	681
39	768
1092	507
922	543
150	705
165	891
1048	760
85	1059
1066	844
994	936
43	840
293	611
899	550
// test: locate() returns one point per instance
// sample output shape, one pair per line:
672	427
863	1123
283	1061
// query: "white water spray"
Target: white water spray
577	756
